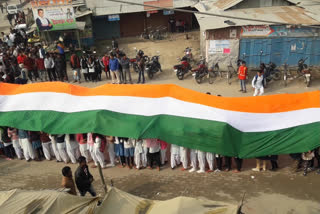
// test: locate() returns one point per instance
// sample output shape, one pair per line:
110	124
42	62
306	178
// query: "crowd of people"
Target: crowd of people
130	153
21	62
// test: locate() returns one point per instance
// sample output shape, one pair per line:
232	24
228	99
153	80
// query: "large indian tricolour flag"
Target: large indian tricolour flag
242	127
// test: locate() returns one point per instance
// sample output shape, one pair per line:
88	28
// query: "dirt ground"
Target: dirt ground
266	192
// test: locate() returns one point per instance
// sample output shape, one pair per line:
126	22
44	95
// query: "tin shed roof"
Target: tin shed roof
281	14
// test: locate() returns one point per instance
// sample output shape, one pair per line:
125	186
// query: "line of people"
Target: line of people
128	152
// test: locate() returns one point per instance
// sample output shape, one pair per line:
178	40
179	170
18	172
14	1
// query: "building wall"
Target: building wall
280	44
280	50
222	45
133	24
104	29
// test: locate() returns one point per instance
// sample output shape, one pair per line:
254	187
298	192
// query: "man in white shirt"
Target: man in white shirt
12	36
258	84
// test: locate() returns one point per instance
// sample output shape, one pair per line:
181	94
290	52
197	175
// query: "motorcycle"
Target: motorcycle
202	72
182	69
270	71
304	70
152	66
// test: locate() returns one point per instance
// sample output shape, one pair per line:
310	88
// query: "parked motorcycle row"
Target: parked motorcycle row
151	66
202	71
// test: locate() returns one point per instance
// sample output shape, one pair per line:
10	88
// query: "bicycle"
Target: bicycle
231	71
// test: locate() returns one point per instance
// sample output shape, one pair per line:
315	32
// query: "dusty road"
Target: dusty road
266	192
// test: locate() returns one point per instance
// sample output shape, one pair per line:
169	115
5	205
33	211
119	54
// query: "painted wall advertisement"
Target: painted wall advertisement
219	46
53	15
278	31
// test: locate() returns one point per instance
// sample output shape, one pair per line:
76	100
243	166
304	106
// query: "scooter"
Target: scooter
182	68
153	66
304	70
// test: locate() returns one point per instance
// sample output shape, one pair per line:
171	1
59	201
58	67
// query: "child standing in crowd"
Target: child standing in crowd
90	142
46	145
8	148
164	146
55	147
67	180
99	146
91	67
13	134
193	158
140	154
258	164
110	146
210	160
84	67
219	162
49	66
243	76
72	147
119	149
175	156
202	161
128	152
75	65
307	157
26	145
41	68
61	145
105	61
258	84
184	158
36	144
154	153
84	151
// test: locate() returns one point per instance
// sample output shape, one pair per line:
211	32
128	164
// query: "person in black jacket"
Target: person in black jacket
83	178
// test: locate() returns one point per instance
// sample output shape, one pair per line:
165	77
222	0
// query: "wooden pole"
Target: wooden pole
102	179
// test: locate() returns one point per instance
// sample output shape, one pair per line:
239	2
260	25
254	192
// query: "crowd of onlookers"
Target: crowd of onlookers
138	153
21	62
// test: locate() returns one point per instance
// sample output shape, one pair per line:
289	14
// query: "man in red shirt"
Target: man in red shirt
243	75
29	64
41	69
105	61
21	58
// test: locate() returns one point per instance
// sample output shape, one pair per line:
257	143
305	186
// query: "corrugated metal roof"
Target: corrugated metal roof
108	7
226	4
304	2
283	14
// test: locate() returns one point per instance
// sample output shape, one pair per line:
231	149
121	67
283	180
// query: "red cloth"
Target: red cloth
29	63
21	59
243	72
81	139
75	62
103	143
44	137
163	144
40	64
105	61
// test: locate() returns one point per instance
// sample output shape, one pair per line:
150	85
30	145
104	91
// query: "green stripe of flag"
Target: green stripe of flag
205	135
